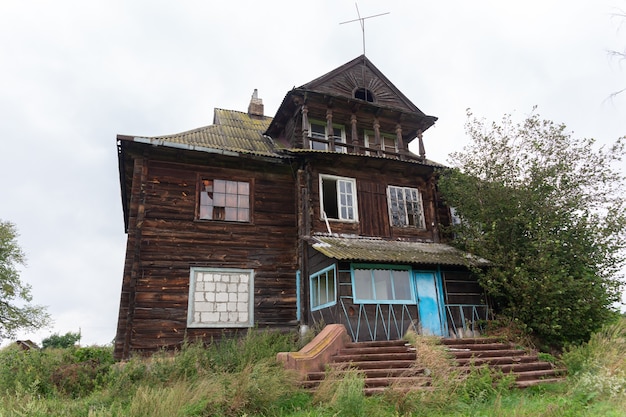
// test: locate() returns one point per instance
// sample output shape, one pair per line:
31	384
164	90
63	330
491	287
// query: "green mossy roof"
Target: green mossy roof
231	131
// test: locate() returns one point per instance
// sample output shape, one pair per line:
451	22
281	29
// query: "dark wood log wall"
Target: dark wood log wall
371	183
165	239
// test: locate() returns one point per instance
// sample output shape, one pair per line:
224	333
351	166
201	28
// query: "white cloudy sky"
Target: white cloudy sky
73	74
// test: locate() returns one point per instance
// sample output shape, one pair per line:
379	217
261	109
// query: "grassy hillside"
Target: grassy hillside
241	378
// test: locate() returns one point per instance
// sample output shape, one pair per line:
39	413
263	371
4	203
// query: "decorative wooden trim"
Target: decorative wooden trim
305	127
355	132
330	130
377	136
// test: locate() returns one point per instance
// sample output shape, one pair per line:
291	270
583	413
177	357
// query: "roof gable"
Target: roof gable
357	74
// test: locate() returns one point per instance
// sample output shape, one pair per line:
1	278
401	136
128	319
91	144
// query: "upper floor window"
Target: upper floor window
338	198
388	143
224	200
317	130
405	207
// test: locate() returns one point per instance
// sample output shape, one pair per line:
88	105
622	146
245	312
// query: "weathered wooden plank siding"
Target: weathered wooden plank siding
372	182
170	240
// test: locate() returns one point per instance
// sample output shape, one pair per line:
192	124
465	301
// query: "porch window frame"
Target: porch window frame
362	266
315	277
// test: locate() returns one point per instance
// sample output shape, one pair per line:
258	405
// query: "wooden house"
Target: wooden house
320	214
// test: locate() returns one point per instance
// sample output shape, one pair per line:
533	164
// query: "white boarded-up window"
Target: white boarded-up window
221	297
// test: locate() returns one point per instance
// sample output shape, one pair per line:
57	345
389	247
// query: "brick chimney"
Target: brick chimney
256	105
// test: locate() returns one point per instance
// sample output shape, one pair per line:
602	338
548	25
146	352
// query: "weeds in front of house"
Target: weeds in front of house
598	368
238	377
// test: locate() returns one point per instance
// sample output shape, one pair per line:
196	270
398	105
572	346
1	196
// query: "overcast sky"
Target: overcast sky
74	74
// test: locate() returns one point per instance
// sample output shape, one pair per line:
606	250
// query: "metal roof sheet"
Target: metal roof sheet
380	250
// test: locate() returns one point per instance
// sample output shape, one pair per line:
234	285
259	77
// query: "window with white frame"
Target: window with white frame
224	200
221	297
317	130
388	143
323	286
373	284
405	207
338	198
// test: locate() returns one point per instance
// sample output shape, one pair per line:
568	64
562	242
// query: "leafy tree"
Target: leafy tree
69	339
549	211
16	312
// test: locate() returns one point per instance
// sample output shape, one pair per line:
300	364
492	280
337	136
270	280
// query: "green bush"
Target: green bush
68	340
28	371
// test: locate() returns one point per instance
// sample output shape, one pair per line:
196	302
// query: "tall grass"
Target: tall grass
240	377
598	367
226	378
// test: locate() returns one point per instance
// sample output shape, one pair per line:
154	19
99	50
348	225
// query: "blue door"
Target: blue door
430	303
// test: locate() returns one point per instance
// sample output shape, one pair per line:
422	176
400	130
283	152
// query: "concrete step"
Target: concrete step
521	367
499	360
373	373
382	364
538	375
479	346
409	381
349	357
530	383
376	343
471	341
398	388
365	350
497	353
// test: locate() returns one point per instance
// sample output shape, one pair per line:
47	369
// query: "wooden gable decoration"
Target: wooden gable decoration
360	79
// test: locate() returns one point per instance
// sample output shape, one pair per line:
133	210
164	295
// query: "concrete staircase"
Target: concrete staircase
525	366
382	363
394	363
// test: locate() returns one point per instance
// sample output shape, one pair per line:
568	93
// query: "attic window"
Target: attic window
364	94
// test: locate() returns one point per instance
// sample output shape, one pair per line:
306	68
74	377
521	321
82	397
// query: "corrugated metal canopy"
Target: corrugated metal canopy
378	250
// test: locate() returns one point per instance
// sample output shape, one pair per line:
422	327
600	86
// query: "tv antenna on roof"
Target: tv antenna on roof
361	20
